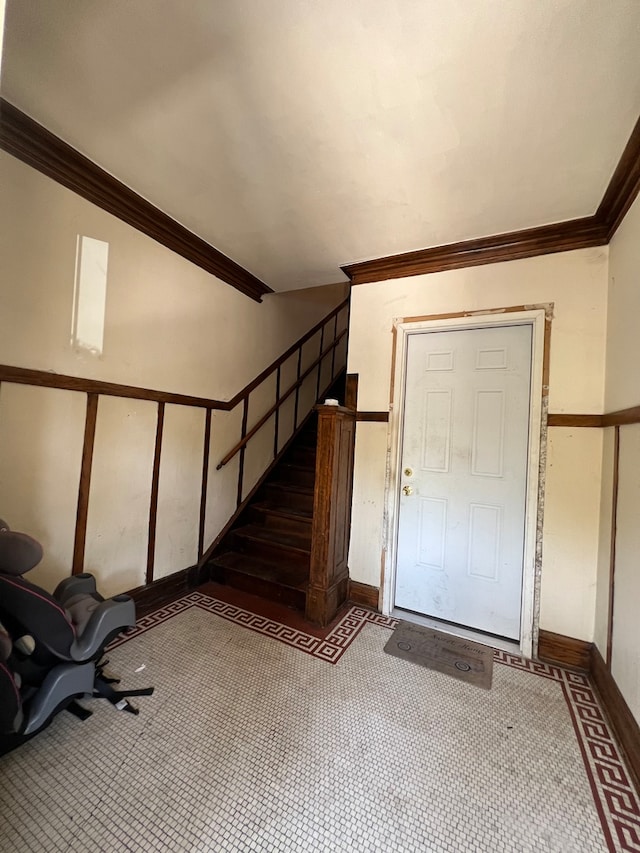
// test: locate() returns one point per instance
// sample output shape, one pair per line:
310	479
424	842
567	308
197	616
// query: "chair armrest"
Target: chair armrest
108	619
61	684
76	585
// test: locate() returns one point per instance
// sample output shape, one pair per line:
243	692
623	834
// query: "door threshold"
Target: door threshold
511	646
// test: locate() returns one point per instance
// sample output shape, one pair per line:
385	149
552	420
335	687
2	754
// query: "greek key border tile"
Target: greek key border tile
615	797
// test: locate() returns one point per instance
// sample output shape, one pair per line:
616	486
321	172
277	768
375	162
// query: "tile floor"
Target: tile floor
260	737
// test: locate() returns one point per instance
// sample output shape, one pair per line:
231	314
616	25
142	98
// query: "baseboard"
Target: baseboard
162	591
623	723
362	593
566	651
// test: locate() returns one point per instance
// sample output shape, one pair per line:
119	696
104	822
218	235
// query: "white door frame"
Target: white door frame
535	318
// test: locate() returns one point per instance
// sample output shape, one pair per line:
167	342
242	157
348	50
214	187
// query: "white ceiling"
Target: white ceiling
299	135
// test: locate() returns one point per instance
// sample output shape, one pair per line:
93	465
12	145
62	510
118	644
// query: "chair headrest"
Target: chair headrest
18	552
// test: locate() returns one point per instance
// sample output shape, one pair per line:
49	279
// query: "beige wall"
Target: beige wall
623	391
576	282
169	326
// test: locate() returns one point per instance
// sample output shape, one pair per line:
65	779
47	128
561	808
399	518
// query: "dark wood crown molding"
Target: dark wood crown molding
30	142
596	230
623	186
559	237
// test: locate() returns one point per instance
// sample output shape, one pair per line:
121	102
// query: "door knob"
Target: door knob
407	490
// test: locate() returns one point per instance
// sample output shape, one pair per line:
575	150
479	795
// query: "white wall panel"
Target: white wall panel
367	532
120	493
258	456
625	660
604	543
285	421
261	399
179	490
570	532
41	438
222	485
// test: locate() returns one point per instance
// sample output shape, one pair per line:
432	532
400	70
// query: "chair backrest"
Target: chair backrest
27	609
10	699
24	607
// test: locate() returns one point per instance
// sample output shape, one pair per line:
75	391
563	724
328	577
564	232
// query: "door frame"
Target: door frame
539	318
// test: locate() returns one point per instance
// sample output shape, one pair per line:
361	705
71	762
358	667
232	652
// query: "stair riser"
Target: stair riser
258	586
307	440
297	476
304	456
285	498
269	551
255	515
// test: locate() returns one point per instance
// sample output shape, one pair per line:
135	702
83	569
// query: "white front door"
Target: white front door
463	476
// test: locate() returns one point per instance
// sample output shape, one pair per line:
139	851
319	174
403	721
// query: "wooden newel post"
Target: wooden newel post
329	575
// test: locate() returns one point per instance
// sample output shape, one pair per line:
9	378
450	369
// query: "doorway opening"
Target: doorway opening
463	488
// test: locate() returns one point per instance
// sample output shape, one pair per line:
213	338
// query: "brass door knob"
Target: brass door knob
407	490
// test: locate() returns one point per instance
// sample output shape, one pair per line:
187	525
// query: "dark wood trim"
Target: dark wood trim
331	522
542	240
320	355
242	448
351	391
84	486
623	417
153	501
623	186
161	591
297	386
205	480
622	721
335	338
574	420
612	544
45	379
373	417
273	409
36	146
276	420
566	651
363	594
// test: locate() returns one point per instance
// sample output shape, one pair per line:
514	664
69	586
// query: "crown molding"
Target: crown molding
596	230
623	186
543	240
32	143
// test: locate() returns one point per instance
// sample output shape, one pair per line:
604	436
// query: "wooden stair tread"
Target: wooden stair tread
295	513
265	570
290	487
289	539
295	467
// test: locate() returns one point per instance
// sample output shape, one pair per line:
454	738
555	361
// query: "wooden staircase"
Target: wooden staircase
268	551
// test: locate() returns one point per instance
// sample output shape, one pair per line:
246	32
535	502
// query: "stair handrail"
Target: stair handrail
281	399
